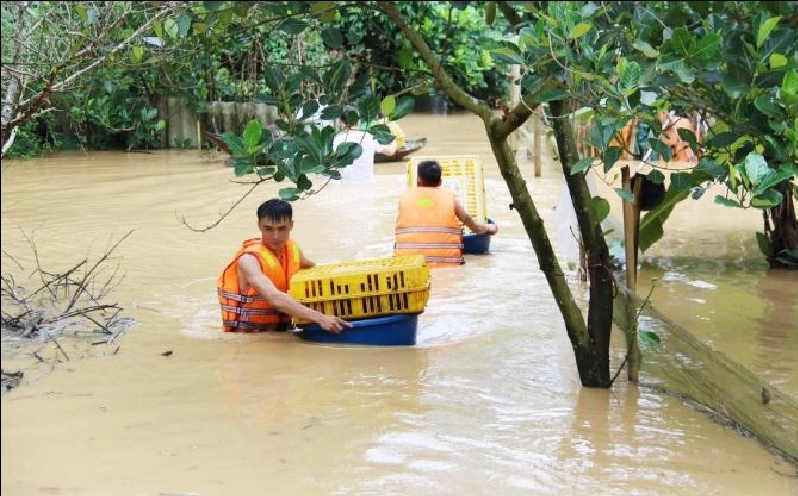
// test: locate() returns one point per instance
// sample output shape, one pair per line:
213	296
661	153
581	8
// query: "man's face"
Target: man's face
275	234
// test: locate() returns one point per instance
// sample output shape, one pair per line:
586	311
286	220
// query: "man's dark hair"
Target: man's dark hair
429	171
275	210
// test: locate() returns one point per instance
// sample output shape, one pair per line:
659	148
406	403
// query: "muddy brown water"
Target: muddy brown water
488	402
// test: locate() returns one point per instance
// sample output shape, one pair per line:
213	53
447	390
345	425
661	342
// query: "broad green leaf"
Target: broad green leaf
764	243
625	194
728	202
404	106
332	37
630	78
82	13
773	178
303	183
507	55
681	181
765	29
293	26
582	164
609	157
137	54
317	7
183	24
647	49
579	30
755	167
651	225
768	199
172	29
289	194
552	94
648	338
707	47
252	133
601	208
656	176
490	13
765	105
777	60
241	165
388	105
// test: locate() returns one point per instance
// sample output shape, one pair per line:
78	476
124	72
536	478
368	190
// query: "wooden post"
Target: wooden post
631	229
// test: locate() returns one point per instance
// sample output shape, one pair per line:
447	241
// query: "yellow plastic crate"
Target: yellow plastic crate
463	175
364	289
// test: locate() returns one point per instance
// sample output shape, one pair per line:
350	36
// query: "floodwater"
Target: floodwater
488	402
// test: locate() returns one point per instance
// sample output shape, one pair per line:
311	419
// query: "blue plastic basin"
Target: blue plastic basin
477	244
395	330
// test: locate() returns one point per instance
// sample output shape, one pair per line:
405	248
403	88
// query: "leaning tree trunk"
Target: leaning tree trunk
783	234
593	356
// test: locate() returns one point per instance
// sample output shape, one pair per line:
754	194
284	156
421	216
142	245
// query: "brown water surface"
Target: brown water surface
488	402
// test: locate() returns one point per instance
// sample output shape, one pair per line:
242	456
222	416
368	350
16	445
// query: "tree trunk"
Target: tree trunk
784	234
592	356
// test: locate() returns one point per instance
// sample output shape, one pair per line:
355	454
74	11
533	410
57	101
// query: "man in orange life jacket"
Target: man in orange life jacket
429	220
253	287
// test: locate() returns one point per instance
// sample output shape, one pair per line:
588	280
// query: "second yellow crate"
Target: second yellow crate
366	288
463	175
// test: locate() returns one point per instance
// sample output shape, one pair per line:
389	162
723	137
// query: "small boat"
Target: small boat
409	147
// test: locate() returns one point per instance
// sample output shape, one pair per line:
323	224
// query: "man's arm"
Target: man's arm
283	302
476	227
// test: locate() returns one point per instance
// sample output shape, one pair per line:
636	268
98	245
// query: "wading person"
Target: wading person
253	287
362	169
429	217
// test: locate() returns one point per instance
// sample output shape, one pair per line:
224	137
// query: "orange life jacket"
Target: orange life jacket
427	225
251	312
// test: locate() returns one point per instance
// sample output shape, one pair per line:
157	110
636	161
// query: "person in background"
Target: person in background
252	289
362	169
429	217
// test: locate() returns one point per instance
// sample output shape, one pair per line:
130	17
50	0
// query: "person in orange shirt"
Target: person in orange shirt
429	217
252	289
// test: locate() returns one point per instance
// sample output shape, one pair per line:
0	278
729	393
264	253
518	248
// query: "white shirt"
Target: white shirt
362	169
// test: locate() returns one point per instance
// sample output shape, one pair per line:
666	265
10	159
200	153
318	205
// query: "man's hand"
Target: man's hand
331	323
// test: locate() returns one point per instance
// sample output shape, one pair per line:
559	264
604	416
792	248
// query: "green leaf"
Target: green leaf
728	202
764	243
647	49
303	183
656	176
601	208
681	181
579	30
507	55
773	178
777	60
789	85
651	226
767	199
172	29
404	57
332	37
80	10
293	26
183	25
317	7
648	338
630	78
490	13
388	105
609	156
552	94
252	133
756	168
625	194
289	194
764	30
582	164
241	165
404	106
137	54
766	106
707	47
